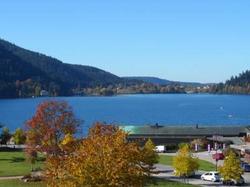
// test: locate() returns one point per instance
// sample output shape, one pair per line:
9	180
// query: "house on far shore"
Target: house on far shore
11	141
44	93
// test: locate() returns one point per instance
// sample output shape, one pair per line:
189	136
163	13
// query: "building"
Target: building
161	135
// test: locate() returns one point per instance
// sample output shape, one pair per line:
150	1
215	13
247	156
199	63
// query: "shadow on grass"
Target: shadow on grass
13	159
7	149
20	159
41	159
17	159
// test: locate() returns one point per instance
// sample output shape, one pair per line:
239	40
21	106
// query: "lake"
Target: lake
164	109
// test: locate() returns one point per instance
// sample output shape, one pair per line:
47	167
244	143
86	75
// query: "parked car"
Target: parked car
211	176
245	166
218	156
233	181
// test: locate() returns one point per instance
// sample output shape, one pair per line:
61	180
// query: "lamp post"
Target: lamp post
215	139
216	156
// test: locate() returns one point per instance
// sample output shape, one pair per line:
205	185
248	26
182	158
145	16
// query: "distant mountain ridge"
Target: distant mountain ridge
159	81
153	80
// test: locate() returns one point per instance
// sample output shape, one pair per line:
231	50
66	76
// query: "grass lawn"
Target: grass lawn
165	183
19	183
204	165
14	164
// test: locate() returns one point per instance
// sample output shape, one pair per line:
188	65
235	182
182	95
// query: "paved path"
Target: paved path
12	177
208	157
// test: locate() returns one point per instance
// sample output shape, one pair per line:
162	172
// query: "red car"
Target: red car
218	156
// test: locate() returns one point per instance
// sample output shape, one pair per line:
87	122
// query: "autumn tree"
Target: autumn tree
247	157
19	136
48	127
202	143
184	163
103	158
231	168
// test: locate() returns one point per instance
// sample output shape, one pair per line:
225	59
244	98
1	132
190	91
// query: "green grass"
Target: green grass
14	164
204	165
19	183
166	160
166	183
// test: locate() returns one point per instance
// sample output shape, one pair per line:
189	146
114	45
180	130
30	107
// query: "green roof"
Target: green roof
186	130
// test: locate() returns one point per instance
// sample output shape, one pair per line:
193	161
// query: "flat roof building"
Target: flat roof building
177	134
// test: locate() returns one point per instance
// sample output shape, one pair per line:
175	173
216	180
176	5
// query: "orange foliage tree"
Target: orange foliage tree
103	158
52	121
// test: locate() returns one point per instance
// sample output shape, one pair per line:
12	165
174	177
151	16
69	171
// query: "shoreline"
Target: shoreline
128	94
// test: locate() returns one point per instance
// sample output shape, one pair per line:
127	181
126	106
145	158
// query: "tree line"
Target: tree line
236	85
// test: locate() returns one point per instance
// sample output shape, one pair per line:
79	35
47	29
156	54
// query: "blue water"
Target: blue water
167	109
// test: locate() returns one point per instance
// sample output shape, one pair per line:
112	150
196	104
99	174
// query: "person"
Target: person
157	125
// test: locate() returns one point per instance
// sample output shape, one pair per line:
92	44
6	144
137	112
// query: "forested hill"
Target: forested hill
159	81
236	85
153	80
25	73
243	79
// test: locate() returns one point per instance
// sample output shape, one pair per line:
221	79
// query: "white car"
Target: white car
211	176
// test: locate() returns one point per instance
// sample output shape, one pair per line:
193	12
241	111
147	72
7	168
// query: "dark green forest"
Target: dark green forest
24	73
236	85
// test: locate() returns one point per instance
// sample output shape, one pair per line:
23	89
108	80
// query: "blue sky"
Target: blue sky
185	40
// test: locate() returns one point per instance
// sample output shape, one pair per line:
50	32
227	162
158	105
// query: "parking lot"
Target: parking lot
166	172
